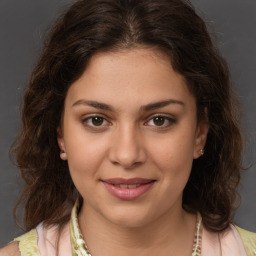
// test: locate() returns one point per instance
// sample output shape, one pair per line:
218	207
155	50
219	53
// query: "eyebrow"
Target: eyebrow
148	107
160	104
94	104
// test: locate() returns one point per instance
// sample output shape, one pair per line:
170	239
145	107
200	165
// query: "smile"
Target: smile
127	186
128	189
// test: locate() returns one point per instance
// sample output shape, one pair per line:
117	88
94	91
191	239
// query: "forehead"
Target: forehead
134	76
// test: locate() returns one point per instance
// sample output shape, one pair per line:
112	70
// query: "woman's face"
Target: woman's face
130	134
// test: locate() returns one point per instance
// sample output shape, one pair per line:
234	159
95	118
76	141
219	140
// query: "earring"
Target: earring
202	151
63	155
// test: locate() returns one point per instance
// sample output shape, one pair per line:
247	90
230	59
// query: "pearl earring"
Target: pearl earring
63	155
202	151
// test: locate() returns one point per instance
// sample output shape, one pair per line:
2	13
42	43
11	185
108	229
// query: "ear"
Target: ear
61	143
200	139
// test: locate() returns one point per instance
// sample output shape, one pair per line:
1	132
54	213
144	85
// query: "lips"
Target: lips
128	189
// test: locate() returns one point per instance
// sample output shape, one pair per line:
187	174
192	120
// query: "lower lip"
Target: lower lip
128	193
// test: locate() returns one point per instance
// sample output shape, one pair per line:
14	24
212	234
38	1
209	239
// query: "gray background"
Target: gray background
23	25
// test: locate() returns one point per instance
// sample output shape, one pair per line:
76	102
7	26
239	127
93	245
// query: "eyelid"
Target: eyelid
86	118
168	117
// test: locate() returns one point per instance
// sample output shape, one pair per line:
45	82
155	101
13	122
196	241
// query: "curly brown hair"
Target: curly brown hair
91	26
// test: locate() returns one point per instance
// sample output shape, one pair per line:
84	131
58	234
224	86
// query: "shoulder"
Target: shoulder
227	242
249	240
12	249
23	245
28	238
27	244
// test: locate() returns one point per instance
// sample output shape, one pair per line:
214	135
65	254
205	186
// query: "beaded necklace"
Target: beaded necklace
79	247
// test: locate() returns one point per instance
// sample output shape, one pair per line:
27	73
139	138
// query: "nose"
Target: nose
127	148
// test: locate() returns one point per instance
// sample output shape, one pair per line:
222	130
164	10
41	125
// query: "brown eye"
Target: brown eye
159	120
97	121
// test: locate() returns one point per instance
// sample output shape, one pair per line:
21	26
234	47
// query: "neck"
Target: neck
169	234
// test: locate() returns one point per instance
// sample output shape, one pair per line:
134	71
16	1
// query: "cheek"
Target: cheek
85	160
174	157
173	152
85	153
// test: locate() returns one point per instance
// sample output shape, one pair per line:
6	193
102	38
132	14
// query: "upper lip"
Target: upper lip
119	181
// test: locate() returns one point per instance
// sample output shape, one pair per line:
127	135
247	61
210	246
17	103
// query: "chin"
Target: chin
129	222
129	218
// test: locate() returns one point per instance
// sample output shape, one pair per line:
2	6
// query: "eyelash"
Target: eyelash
169	119
85	121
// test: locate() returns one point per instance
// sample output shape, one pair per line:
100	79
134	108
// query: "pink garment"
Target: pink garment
226	243
47	238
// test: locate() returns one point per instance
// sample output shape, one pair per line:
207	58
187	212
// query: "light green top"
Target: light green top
28	243
249	239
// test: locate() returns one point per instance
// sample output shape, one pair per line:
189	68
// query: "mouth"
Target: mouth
128	189
127	186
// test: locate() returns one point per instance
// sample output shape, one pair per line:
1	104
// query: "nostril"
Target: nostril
127	152
127	165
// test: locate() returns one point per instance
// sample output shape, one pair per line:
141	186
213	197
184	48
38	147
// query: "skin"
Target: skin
128	141
11	249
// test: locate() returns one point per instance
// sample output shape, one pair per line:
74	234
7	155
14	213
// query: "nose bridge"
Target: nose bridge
127	146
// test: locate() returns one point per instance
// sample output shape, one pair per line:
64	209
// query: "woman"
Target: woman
130	143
